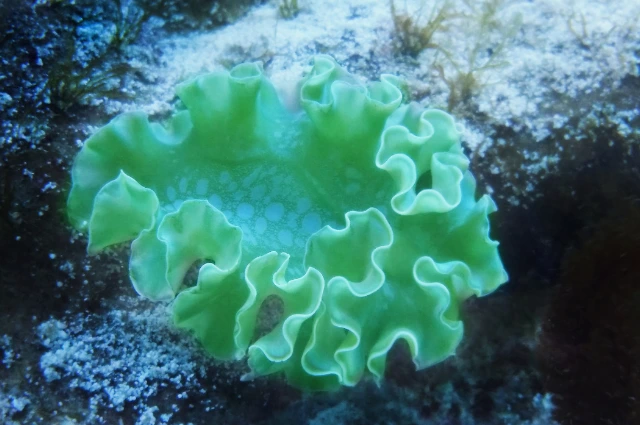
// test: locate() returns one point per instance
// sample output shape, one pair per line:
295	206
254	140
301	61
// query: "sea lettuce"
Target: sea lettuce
357	211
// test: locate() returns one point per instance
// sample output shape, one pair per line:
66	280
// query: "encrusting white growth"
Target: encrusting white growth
125	357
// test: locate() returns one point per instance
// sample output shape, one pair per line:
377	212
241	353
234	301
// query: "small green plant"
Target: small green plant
412	35
465	80
289	8
71	83
464	76
129	21
589	38
69	86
